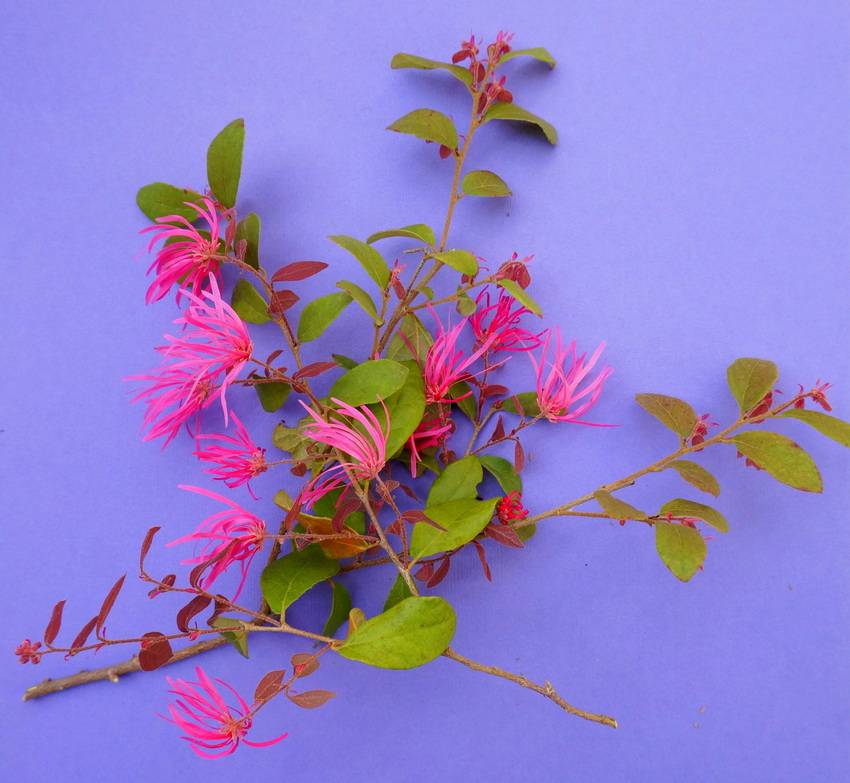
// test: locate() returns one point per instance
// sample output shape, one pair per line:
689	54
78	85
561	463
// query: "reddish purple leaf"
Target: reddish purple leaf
167	580
241	249
194	607
341	514
309	700
146	545
109	602
55	623
270	685
424	572
504	535
519	457
414	515
221	606
409	492
298	470
155	652
230	233
493	390
499	431
304	664
83	635
518	405
273	355
292	515
281	301
314	369
482	556
440	573
394	528
299	270
197	572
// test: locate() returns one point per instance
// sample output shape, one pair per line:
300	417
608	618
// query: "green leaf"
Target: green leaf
510	111
224	162
750	380
287	579
681	548
344	361
462	519
370	259
319	314
239	639
428	124
525	532
520	295
362	298
690	508
402	60
287	438
460	479
504	473
249	303
616	508
830	426
398	592
528	401
415	343
340	607
780	457
673	413
249	230
538	53
460	260
465	304
369	382
696	475
417	231
484	183
159	200
409	634
272	395
460	393
405	408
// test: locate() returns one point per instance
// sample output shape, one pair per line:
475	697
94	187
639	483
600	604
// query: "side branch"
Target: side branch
544	690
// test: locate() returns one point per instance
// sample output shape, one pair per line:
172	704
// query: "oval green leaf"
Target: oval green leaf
362	298
510	111
460	260
520	295
224	162
411	341
340	608
459	480
503	471
484	183
319	314
616	508
249	304
369	382
681	548
159	200
428	124
527	401
690	508
462	520
272	395
370	259
398	592
411	633
249	231
538	53
830	426
673	413
417	231
405	409
285	580
780	457
696	475
750	380
402	60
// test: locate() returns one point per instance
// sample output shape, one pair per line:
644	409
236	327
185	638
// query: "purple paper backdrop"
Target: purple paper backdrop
696	210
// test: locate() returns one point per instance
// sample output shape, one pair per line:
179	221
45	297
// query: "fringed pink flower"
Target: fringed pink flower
189	257
234	531
200	364
565	390
238	459
446	364
357	433
501	321
207	720
429	433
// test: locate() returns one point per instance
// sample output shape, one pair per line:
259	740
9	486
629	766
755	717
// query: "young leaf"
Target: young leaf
429	125
504	535
369	382
304	664
460	260
673	413
417	231
459	480
190	610
109	602
298	270
690	508
249	303
313	369
370	259
827	425
310	699
224	162
780	457
503	472
510	111
681	548
269	686
340	607
249	230
402	60
319	314
55	623
750	380
484	183
463	520
398	592
159	200
411	633
696	475
156	652
616	508
538	53
518	293
362	298
287	579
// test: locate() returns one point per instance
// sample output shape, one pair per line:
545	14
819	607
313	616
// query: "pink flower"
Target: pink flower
208	721
238	463
357	433
202	363
510	508
446	364
235	531
27	652
428	433
190	257
565	392
502	323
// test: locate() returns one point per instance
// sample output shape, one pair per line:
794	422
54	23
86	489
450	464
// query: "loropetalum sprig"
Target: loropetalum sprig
397	411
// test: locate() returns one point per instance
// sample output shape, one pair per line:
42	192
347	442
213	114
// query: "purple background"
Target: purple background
696	210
